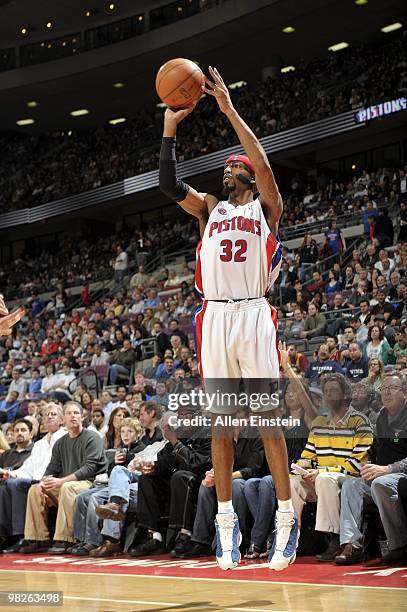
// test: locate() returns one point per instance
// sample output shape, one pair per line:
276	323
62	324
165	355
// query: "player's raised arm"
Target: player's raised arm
197	204
269	194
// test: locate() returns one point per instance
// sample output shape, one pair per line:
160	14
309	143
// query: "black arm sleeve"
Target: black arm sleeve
170	185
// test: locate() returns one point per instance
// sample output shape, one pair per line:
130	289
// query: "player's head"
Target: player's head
238	174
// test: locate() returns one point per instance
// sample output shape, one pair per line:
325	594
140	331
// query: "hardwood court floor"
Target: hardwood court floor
130	589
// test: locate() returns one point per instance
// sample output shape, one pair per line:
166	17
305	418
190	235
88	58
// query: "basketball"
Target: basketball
179	83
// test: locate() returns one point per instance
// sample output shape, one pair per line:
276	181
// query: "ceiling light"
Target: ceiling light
118	85
24	30
392	27
361	2
140	17
288	30
49	24
111	6
338	46
353	166
237	84
25	121
88	14
161	105
287	69
32	104
79	112
116	121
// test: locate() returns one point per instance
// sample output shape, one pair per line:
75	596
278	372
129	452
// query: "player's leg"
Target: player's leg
259	361
220	370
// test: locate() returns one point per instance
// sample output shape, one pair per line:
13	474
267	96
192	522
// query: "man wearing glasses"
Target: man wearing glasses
379	480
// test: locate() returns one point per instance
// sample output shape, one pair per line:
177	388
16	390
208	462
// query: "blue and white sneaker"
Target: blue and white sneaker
228	540
284	549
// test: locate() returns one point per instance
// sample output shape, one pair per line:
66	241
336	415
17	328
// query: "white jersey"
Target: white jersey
238	256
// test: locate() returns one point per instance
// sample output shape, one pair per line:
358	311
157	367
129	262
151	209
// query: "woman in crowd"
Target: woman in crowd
375	373
86	401
49	380
113	437
377	345
333	285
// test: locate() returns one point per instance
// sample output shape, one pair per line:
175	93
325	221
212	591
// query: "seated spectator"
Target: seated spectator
100	357
322	364
361	331
76	459
182	362
20	446
166	369
297	359
153	299
327	471
356	366
295	326
333	285
348	337
161	395
315	323
364	400
317	283
382	307
34	386
121	361
365	314
86	522
248	461
377	345
379	480
9	433
333	348
14	484
173	479
98	422
18	383
173	279
49	380
91	539
151	371
140	279
61	388
11	406
174	330
113	436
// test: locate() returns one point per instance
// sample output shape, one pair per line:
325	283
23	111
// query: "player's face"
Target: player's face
230	182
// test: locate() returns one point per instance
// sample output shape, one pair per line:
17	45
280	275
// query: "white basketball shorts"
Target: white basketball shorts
237	340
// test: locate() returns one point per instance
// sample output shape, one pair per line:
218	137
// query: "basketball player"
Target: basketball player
239	259
8	320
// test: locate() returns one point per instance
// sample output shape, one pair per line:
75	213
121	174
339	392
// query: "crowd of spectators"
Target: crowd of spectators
37	170
108	459
313	204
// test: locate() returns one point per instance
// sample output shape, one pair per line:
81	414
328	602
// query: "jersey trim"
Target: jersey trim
198	269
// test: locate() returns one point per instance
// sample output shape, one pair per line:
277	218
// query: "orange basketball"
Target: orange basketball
179	83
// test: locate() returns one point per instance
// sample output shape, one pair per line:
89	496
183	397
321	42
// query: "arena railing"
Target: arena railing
274	143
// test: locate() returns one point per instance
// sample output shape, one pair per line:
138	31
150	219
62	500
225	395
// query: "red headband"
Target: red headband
240	158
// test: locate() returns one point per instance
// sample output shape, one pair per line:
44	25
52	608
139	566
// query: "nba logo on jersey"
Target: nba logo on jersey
222	211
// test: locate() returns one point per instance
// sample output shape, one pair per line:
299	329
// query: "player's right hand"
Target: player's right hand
174	117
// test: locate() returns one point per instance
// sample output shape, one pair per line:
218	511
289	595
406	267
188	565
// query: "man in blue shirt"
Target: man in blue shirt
34	386
11	405
356	367
322	364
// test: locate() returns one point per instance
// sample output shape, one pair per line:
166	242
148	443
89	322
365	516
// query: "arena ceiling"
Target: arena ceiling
239	48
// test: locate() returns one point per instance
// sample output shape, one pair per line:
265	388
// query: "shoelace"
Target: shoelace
226	534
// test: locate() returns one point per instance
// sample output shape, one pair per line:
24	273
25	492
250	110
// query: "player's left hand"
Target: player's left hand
284	361
218	90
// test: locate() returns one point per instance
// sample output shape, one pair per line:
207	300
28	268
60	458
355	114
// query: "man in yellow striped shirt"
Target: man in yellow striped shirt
337	446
